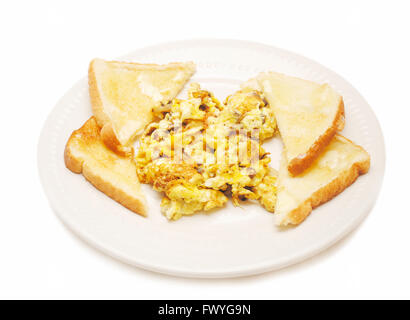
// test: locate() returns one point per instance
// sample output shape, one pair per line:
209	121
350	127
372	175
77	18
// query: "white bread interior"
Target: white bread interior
112	174
333	171
123	95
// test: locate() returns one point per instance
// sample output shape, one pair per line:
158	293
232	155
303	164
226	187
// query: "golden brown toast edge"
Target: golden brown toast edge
344	180
91	132
300	164
107	131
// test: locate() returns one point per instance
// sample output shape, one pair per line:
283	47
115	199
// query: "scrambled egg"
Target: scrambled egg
202	151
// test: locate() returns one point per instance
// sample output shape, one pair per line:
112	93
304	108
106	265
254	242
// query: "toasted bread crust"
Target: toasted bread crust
96	101
299	164
329	191
110	140
90	131
108	134
72	163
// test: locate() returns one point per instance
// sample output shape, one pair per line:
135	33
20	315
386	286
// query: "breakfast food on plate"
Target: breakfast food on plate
334	170
114	175
123	95
200	152
308	115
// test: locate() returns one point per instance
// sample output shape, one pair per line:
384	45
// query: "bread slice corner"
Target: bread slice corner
308	115
333	171
301	162
110	173
123	95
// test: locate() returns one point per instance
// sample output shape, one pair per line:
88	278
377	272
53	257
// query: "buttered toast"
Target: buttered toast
112	174
123	95
308	115
339	165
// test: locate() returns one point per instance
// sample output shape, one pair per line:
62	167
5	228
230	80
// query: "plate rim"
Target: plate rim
252	269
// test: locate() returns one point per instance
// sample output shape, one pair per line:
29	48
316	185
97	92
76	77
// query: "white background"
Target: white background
46	46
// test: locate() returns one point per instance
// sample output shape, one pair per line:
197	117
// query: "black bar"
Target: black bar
203	309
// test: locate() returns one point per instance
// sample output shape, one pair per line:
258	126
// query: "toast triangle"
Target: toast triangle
123	95
308	115
333	171
110	173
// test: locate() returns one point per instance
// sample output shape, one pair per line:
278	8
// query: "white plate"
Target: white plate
231	241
